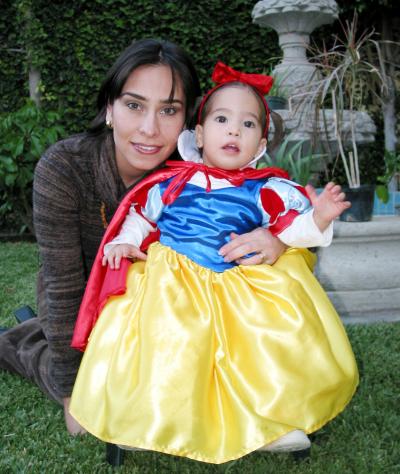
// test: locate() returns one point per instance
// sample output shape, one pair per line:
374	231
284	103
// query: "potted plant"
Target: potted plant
293	159
277	96
349	77
391	176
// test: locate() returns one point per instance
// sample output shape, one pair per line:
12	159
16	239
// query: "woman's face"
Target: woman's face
146	124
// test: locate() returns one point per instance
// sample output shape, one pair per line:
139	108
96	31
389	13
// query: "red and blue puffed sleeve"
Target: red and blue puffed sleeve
280	202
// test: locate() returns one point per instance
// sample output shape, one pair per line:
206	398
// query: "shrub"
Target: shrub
25	134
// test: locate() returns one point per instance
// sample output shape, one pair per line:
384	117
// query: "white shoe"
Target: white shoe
295	440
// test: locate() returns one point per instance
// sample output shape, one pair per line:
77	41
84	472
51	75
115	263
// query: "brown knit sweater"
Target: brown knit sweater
72	180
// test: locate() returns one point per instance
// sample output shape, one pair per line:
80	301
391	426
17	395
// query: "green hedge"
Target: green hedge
13	83
74	42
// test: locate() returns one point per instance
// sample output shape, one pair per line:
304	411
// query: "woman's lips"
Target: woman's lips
146	149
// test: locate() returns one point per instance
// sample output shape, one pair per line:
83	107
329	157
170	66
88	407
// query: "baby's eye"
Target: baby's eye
249	124
221	119
169	110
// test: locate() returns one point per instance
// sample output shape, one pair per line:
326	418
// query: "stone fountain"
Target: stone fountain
294	21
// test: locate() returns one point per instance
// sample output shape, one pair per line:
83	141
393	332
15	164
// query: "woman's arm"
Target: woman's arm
57	227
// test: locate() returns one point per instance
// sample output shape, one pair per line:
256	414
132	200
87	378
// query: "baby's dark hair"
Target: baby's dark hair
205	108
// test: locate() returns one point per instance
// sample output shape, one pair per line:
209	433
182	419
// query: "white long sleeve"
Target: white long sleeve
133	231
136	227
303	232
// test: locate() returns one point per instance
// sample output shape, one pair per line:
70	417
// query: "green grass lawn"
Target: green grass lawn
364	439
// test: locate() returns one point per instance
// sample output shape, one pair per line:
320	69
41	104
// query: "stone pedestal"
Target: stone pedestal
361	270
294	21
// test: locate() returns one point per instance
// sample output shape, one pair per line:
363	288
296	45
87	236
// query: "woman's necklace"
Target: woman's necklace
103	215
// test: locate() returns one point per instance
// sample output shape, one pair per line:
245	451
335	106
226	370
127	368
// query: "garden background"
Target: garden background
72	43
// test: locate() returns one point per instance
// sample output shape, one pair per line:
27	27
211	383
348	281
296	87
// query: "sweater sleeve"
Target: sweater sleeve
57	226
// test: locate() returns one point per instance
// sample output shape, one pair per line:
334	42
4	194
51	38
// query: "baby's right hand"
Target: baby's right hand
118	251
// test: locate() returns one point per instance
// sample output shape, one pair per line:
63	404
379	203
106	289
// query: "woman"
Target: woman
147	98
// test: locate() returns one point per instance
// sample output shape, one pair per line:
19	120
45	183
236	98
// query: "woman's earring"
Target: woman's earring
109	123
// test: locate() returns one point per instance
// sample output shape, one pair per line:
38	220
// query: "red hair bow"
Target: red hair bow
223	73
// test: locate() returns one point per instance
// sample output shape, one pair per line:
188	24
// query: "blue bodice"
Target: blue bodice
199	223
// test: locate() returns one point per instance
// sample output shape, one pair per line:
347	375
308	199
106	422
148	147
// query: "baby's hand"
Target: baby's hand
118	251
328	205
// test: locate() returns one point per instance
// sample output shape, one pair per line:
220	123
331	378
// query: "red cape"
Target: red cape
104	282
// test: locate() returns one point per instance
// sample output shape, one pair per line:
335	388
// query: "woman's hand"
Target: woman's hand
119	251
260	241
73	427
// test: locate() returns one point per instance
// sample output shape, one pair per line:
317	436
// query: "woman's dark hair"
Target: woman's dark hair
147	52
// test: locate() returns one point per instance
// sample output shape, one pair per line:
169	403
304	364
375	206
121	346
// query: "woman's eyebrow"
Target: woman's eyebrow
140	97
132	94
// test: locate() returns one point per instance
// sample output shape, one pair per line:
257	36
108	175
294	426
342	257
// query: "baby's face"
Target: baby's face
231	135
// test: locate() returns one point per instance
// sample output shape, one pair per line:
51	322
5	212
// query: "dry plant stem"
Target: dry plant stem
354	70
351	165
354	155
328	146
339	140
388	73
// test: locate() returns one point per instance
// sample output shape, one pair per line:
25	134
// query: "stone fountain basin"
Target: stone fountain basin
305	126
360	270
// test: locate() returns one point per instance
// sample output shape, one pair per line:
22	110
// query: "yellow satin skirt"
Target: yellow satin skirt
212	366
